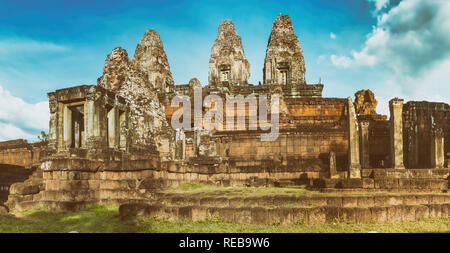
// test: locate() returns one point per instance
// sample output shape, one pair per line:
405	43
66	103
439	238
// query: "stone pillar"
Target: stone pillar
53	124
437	148
180	145
96	136
113	127
353	142
332	158
413	147
67	127
123	124
365	158
396	132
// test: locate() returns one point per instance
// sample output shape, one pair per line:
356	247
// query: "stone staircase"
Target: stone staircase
28	190
10	174
291	209
412	180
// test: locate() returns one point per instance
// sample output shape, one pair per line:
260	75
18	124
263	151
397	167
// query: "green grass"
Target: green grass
106	219
93	219
441	225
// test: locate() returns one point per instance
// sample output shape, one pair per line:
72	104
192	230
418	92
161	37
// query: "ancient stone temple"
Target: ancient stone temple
114	142
228	65
284	63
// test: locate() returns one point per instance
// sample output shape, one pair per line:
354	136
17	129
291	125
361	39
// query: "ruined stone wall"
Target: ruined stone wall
20	152
10	174
422	122
310	129
301	151
379	141
140	82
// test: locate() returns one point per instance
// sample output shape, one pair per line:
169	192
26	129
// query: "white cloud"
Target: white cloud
341	61
18	118
408	39
408	51
11	132
13	46
332	36
379	4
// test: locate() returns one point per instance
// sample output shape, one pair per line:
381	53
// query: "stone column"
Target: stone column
437	148
180	144
396	132
96	121
67	127
353	142
113	127
53	124
413	147
365	159
123	123
333	170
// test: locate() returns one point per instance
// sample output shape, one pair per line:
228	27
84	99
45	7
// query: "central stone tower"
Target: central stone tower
284	63
228	65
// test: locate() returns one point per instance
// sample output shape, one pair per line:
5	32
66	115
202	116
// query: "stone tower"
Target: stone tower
151	59
228	64
284	63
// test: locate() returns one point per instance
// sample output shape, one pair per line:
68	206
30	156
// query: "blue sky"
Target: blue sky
395	48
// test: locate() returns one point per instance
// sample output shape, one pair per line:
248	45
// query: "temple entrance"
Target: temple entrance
77	129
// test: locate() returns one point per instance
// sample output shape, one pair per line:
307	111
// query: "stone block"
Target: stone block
368	183
421	212
364	202
334	201
349	201
378	214
259	215
243	215
316	215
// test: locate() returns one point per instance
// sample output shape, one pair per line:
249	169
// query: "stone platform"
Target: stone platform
293	207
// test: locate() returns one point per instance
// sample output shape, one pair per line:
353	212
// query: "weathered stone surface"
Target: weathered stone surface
365	103
396	132
353	142
147	126
284	62
227	64
151	59
116	70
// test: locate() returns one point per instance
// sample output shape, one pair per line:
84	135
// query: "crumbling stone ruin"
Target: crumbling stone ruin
112	143
228	65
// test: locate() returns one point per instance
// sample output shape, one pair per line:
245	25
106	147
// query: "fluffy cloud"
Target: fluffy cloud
19	119
409	39
408	52
13	46
11	132
379	4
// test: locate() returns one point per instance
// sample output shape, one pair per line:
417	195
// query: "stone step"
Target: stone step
406	173
289	216
83	195
70	205
386	183
304	201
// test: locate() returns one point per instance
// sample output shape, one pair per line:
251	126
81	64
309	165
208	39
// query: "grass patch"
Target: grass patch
99	218
106	219
441	225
